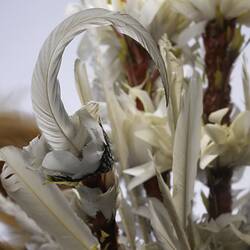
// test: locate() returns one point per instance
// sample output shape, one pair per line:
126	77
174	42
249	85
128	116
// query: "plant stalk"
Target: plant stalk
221	51
105	230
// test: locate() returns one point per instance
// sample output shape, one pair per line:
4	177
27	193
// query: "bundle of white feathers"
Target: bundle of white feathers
70	147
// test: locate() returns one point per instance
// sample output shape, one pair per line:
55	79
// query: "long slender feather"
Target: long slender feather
24	227
128	220
52	118
162	226
169	205
186	149
175	79
246	83
44	203
117	117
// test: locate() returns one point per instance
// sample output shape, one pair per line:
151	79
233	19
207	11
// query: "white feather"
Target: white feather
44	203
175	78
218	115
82	83
246	84
162	225
171	209
57	127
128	221
93	200
207	8
186	149
37	239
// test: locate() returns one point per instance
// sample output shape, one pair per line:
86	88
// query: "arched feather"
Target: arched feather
52	118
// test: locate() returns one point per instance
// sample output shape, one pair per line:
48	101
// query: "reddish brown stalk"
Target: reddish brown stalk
219	59
152	187
105	230
220	198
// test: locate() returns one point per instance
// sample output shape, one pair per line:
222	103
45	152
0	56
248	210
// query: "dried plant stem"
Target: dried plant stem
219	59
105	230
152	188
220	198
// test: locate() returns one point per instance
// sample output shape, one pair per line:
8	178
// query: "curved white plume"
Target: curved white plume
52	118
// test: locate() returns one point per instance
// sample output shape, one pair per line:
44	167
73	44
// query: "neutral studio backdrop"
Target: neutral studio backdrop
24	25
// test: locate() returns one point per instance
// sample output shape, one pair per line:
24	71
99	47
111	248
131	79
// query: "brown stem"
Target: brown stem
105	230
152	187
220	198
219	60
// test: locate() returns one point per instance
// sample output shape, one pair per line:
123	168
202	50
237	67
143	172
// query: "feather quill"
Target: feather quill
186	149
43	203
57	127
